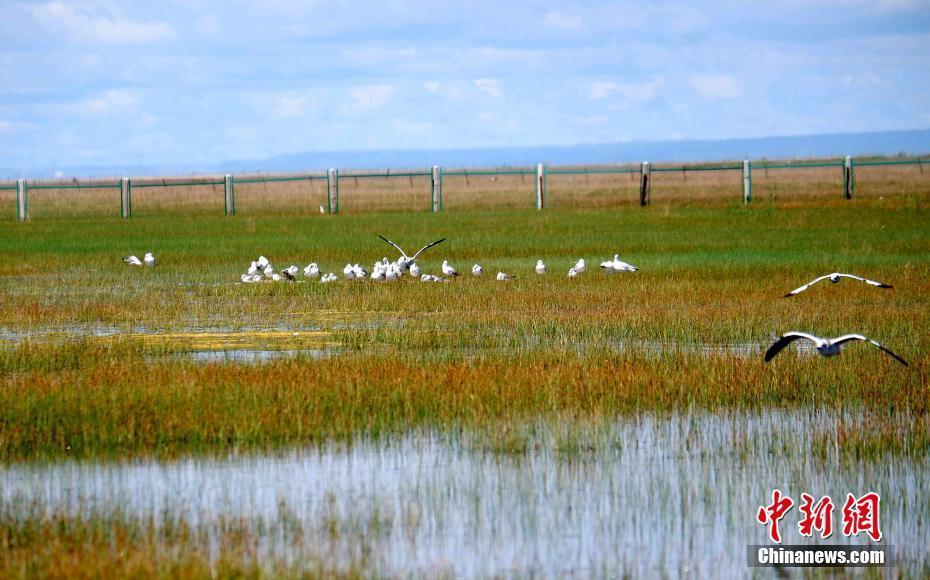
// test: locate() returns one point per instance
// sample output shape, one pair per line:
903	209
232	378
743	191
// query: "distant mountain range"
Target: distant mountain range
915	142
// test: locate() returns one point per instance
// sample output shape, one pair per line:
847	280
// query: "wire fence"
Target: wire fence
436	189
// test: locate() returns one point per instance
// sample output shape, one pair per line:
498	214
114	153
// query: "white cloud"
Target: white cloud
448	90
642	91
489	86
560	21
370	97
83	25
112	102
714	86
282	104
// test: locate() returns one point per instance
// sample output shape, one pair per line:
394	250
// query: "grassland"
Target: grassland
94	355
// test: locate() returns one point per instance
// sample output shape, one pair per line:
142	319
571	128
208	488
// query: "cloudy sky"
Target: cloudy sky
104	82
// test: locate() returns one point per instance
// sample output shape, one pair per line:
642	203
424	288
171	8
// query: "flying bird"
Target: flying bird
448	270
404	261
132	260
540	267
835	277
824	346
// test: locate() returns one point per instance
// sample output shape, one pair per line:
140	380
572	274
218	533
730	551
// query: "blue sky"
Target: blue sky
192	81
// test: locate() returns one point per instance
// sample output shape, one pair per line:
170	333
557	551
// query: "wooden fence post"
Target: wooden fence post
437	188
747	181
332	190
22	204
540	186
229	194
644	185
125	198
849	178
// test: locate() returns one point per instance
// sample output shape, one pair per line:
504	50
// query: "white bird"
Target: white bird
377	274
580	266
835	277
392	272
322	209
275	277
448	270
292	270
245	278
540	267
359	272
617	265
431	278
253	269
148	259
572	273
404	261
268	271
132	260
414	270
262	262
825	346
477	270
501	276
312	270
348	272
327	278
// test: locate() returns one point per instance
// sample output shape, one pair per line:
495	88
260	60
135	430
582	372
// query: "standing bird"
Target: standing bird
405	261
132	260
348	272
149	260
312	270
268	271
580	266
835	277
448	270
477	270
414	270
540	267
824	346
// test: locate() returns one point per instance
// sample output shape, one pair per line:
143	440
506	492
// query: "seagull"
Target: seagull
414	270
268	271
327	278
359	272
540	267
501	276
348	272
262	262
253	269
312	270
580	266
291	271
449	270
572	273
275	277
477	270
431	278
404	261
322	209
835	277
378	273
149	259
617	265
132	260
245	278
825	346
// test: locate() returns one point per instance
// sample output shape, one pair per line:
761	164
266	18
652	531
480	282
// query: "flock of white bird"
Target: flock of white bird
261	270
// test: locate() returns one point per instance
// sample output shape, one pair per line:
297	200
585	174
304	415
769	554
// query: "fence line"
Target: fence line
436	174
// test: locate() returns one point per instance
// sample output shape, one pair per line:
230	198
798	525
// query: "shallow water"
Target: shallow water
671	495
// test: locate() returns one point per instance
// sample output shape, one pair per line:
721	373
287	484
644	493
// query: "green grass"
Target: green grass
470	352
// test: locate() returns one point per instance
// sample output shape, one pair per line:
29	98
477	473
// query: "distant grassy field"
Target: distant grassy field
94	352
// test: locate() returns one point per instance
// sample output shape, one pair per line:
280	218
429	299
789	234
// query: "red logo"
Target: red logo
859	515
773	513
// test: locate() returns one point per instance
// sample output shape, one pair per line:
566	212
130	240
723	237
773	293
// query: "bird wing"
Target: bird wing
806	286
402	253
426	247
851	337
866	280
783	341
